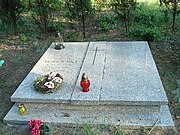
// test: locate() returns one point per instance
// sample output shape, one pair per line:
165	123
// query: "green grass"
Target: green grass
89	130
148	23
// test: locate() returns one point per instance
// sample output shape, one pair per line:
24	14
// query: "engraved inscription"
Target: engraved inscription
58	65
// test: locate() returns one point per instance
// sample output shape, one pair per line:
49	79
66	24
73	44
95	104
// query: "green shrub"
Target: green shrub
146	18
42	12
135	31
4	25
173	7
147	15
146	21
79	10
72	36
107	21
144	33
10	11
109	18
56	26
124	10
100	5
151	34
23	38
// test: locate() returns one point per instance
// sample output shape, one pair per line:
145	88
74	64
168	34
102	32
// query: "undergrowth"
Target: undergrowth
148	23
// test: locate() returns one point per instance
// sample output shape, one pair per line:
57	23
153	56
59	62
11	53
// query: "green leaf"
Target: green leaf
1	63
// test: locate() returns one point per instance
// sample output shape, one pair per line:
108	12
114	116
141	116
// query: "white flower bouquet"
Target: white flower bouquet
48	83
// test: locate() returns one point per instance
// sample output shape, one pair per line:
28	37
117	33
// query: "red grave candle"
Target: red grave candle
85	83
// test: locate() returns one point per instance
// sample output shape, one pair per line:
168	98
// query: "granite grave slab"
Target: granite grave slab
131	76
126	119
125	86
67	62
93	65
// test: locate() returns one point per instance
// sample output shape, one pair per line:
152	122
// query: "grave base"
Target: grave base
70	118
125	87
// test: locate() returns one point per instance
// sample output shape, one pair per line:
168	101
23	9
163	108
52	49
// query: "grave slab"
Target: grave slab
120	73
93	108
131	76
67	62
125	87
71	117
93	66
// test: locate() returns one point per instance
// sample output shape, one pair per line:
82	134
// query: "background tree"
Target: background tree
79	10
173	6
10	12
42	12
100	4
124	9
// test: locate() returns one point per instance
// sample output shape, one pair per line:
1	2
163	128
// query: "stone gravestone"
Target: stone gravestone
125	87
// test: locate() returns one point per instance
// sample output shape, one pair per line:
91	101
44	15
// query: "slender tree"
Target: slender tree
11	9
124	9
173	6
42	12
79	10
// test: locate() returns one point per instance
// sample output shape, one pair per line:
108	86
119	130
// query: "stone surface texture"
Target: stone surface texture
125	88
71	117
93	66
131	76
67	62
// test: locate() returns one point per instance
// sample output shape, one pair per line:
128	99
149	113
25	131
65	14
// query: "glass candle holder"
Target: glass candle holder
59	42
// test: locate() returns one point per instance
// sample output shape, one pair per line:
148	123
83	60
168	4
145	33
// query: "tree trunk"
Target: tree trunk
15	27
174	14
174	18
166	15
83	20
14	23
84	28
126	21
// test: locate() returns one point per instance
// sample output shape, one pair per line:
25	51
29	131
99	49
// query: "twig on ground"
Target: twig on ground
153	126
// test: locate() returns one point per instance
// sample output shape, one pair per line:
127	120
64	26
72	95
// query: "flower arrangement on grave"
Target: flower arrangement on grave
48	83
37	127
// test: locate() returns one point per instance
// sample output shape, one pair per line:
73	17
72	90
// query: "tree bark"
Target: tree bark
14	26
174	14
83	20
